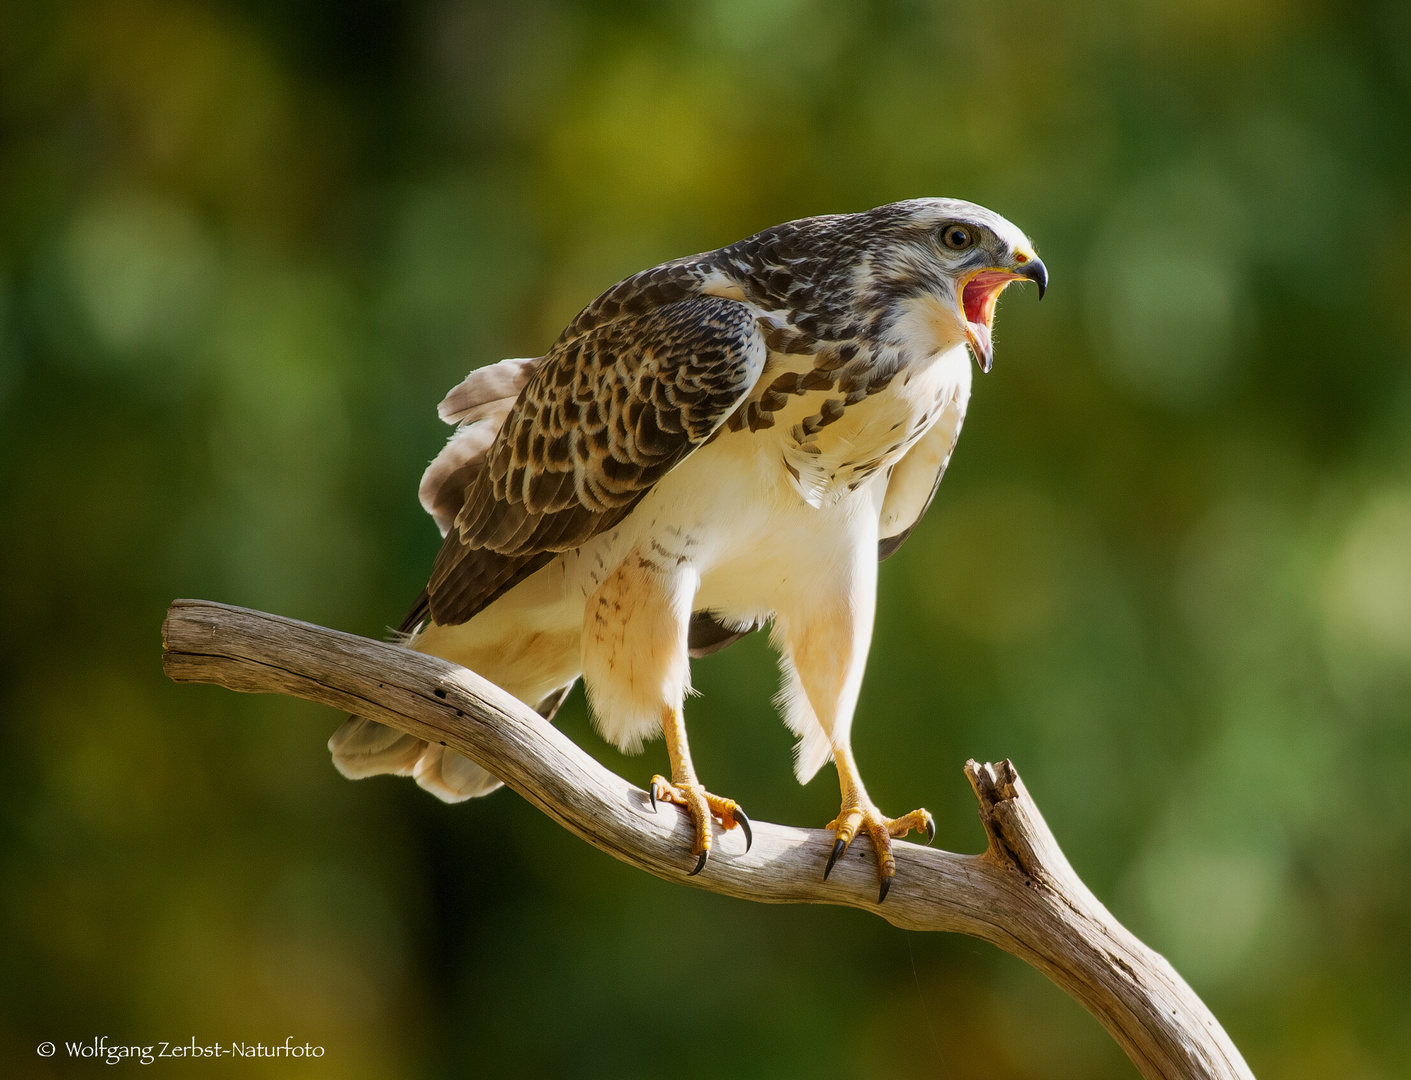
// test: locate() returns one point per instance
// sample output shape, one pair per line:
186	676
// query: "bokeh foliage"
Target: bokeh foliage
246	246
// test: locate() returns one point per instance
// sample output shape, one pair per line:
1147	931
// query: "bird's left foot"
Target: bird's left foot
868	819
701	805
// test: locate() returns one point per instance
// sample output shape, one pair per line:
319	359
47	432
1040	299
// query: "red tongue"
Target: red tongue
980	293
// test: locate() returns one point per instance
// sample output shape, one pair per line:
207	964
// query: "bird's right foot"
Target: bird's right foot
864	817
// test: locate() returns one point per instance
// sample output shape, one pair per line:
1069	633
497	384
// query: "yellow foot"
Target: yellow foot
701	804
868	819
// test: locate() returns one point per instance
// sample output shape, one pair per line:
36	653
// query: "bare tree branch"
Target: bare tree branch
1020	894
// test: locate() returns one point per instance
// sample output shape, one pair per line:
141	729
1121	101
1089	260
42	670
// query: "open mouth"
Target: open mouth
978	299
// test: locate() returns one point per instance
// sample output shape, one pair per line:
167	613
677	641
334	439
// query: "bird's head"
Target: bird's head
931	271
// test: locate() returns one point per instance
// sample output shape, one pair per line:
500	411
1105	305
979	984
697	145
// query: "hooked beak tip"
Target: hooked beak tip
1037	272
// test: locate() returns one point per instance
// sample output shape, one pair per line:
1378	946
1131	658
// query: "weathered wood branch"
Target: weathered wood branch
1020	894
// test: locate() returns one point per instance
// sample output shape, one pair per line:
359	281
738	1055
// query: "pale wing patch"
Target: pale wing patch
914	479
440	497
487	391
720	284
915	476
479	405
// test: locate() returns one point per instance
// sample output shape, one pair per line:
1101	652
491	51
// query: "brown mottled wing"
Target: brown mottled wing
609	412
915	478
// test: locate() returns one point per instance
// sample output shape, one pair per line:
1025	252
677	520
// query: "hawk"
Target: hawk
722	441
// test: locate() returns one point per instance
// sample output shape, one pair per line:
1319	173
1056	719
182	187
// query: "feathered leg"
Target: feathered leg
825	641
637	672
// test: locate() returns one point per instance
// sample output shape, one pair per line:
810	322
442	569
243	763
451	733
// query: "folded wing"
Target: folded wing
915	478
604	416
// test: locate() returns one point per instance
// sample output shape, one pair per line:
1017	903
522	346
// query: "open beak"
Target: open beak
979	295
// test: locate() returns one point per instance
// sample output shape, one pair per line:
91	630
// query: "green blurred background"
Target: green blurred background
246	246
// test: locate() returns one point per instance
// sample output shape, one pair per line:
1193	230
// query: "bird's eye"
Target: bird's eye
957	237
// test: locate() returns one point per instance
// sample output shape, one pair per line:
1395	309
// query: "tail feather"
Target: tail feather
452	777
363	747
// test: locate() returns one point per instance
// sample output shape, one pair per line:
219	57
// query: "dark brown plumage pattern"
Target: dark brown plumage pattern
637	382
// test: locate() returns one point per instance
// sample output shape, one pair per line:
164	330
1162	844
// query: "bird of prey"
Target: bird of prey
718	442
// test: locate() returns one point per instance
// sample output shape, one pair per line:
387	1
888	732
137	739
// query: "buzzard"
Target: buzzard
715	443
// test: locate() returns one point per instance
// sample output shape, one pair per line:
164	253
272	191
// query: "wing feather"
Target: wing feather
479	406
915	478
612	408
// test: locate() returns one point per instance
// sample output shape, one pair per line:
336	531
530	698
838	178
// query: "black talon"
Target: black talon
744	823
652	791
838	848
699	865
882	893
930	829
